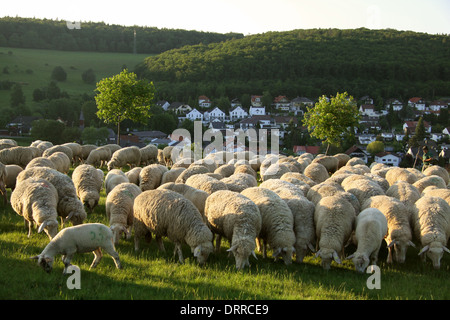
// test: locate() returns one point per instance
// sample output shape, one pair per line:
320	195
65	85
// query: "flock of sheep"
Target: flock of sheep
293	206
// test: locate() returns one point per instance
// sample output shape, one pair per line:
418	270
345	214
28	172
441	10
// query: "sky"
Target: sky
245	16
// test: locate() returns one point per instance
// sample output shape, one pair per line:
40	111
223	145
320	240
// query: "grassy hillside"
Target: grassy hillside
33	67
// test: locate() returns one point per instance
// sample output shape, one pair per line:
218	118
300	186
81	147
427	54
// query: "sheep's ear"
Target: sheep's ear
350	257
197	251
276	253
336	257
446	250
424	249
311	247
411	244
42	226
254	255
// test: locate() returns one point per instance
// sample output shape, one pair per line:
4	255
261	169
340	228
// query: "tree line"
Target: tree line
33	33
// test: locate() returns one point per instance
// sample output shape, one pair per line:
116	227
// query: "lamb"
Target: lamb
114	178
166	213
317	172
17	155
438	171
119	209
89	237
61	161
196	196
334	218
99	157
206	183
431	218
277	223
370	229
36	201
237	218
69	205
130	156
150	176
149	155
12	171
399	236
88	183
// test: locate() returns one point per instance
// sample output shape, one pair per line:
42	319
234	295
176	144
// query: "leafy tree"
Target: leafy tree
59	74
332	120
122	97
92	135
420	133
17	96
49	130
375	147
88	76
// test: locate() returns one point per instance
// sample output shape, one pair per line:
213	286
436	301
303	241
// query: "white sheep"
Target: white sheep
237	218
133	175
206	183
334	218
119	209
61	161
431	218
3	183
69	205
41	162
150	176
239	181
149	155
277	223
370	230
58	148
190	171
76	151
431	180
36	201
88	183
86	150
399	236
437	192
171	175
331	163
438	171
99	157
400	174
405	192
166	213
17	155
363	189
88	237
316	172
128	156
12	171
114	178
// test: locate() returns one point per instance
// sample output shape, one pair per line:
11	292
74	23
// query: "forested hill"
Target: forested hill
310	63
91	36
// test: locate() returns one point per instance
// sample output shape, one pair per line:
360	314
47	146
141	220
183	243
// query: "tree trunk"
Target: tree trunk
118	133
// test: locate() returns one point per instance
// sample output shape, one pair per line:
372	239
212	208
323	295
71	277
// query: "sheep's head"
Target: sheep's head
302	250
284	253
399	248
434	252
117	231
202	251
328	255
45	262
50	227
242	249
361	261
91	201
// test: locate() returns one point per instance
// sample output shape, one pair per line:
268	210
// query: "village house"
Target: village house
436	107
257	111
417	103
215	113
163	104
238	113
368	110
396	104
388	158
282	103
358	152
299	104
179	108
194	115
299	150
204	102
410	127
256	101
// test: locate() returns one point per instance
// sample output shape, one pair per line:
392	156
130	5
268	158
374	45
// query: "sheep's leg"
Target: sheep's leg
97	257
113	253
66	260
258	244
160	243
218	241
180	253
389	258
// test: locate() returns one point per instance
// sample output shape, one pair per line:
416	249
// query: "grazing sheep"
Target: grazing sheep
86	150
431	180
196	196
42	145
36	201
11	142
431	218
190	172
58	148
239	181
399	236
436	192
405	192
17	155
167	156
3	183
343	158
331	163
323	189
89	237
12	171
119	209
237	218
76	151
41	162
245	168
400	174
114	178
133	175
275	171
277	223
149	155
99	157
61	161
225	170
171	175
370	229
354	161
166	213
88	182
334	218
438	171
128	156
69	205
150	176
363	189
206	183
316	172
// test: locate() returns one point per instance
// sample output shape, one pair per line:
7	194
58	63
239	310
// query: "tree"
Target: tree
375	147
332	120
88	76
17	96
49	130
59	74
123	97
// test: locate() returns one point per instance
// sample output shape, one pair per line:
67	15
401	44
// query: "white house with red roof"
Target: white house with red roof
418	103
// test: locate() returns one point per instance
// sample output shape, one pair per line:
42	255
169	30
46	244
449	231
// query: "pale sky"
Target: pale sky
245	16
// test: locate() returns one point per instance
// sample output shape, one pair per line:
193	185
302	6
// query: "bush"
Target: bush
88	76
59	74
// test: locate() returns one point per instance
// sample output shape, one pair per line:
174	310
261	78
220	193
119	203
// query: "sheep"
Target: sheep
239	181
237	218
149	154
86	150
130	156
99	157
58	148
167	156
370	230
206	183
114	178
331	163
133	175
3	183
12	171
400	174
41	162
323	189
88	237
277	223
316	172
171	175
207	163
431	218
303	186
88	183
438	171
363	189
431	180
342	159
354	161
69	205
76	151
405	192
119	209
334	218
437	192
17	155
245	168
166	213
150	176
11	142
275	171
399	236
61	161
42	145
196	196
225	170
190	172
36	201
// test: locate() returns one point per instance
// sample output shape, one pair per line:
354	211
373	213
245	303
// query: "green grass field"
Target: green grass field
42	62
151	274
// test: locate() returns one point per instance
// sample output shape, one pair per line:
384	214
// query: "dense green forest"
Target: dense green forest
97	36
381	63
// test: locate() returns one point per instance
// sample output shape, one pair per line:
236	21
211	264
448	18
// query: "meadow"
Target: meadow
153	275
